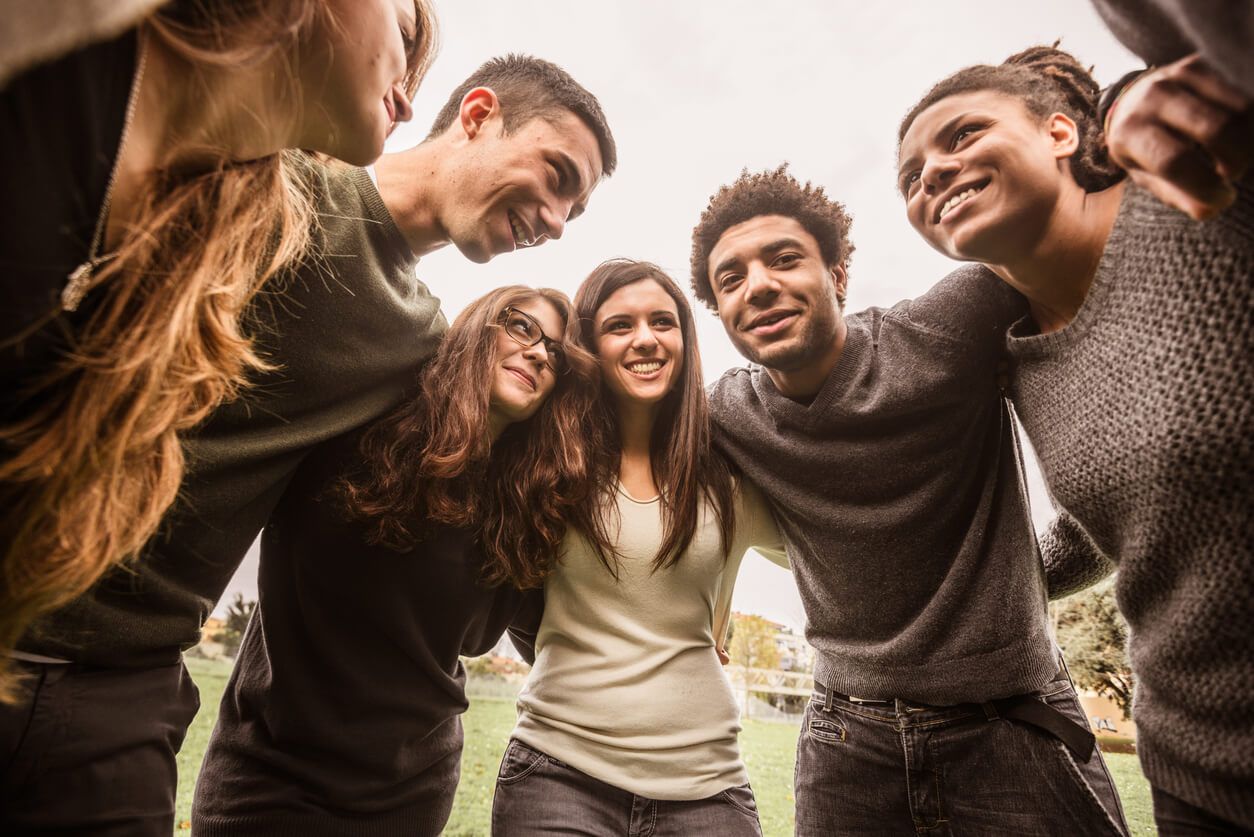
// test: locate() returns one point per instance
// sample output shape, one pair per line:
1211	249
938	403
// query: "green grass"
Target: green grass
768	749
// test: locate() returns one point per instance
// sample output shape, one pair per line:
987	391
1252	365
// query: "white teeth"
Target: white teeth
646	368
520	234
957	199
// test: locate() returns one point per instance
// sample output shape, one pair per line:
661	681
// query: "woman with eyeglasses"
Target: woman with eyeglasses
627	716
395	551
1134	377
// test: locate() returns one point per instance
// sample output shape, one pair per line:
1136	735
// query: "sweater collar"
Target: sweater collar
787	411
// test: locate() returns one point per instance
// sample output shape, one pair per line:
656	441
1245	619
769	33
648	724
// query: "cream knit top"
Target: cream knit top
627	686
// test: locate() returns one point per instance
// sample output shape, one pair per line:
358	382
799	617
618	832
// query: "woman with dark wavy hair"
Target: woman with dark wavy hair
396	550
627	715
148	197
1134	377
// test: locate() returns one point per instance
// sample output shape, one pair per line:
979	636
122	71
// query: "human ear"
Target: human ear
478	106
1064	135
840	280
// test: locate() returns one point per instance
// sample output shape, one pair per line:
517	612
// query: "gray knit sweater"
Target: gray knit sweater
1141	411
1162	31
901	500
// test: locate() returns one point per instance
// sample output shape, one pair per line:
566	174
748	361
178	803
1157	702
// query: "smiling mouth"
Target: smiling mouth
957	200
771	322
522	376
519	232
645	368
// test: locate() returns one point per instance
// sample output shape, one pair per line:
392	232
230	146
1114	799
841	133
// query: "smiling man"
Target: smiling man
512	157
885	446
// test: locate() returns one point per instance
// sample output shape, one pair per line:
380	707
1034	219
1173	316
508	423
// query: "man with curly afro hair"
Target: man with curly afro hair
889	454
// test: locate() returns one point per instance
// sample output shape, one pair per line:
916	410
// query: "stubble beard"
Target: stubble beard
817	334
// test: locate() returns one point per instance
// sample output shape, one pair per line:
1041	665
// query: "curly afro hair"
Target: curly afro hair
768	193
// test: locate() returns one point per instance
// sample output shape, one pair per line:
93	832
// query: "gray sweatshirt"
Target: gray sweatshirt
900	495
1141	411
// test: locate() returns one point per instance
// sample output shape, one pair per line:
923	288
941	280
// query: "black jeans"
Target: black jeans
91	751
1177	818
537	794
908	769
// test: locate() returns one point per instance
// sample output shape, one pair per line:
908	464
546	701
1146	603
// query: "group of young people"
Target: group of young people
213	336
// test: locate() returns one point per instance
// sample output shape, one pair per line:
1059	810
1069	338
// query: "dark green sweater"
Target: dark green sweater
348	331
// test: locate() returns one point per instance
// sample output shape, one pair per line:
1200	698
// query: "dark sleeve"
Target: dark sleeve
971	304
526	625
1073	562
1162	31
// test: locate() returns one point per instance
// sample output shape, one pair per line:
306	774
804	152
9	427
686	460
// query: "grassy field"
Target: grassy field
768	750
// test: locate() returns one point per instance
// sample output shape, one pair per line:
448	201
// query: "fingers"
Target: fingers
1185	134
1198	206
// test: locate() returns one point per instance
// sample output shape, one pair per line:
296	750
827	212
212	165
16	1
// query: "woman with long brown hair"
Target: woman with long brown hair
1134	379
627	713
396	549
148	197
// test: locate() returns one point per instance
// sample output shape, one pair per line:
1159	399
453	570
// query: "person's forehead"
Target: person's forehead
541	309
566	133
930	120
748	238
643	295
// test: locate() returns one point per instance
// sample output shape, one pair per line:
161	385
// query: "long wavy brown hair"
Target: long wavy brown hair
433	461
685	465
89	472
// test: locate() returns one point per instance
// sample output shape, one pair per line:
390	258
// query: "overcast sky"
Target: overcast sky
695	91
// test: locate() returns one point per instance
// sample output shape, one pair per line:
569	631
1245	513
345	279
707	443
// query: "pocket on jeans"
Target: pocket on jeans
825	730
741	798
519	762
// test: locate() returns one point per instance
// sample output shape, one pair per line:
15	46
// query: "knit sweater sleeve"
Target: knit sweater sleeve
756	530
1162	31
970	305
1073	562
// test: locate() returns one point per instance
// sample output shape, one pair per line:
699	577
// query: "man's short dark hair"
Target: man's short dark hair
768	193
527	88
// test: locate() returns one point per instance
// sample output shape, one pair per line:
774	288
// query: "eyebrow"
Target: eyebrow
944	130
766	250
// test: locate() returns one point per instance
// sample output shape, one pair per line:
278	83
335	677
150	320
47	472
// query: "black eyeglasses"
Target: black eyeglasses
524	329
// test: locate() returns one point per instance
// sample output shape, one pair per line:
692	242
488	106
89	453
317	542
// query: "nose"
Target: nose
938	171
644	339
760	283
537	354
404	111
554	214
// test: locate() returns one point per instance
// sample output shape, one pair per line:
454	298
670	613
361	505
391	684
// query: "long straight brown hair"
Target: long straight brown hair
685	465
89	472
433	461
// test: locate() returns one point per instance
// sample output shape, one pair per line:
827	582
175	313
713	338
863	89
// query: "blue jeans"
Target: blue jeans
870	769
537	794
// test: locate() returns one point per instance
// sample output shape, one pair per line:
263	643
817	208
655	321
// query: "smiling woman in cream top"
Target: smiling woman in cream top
628	720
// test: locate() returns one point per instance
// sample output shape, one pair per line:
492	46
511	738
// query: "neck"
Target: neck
1056	272
635	431
804	383
496	426
409	184
191	119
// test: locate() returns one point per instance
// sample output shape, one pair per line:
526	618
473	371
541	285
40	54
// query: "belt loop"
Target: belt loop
990	711
827	699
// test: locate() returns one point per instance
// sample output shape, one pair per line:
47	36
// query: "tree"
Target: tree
1094	639
753	642
237	616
